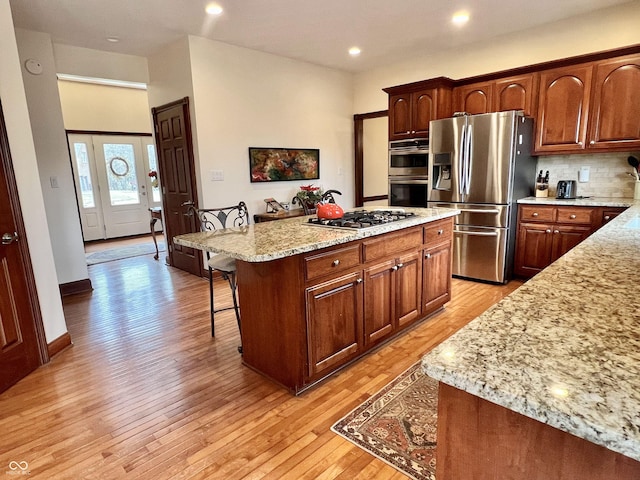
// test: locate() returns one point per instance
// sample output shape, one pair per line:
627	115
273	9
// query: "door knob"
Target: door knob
7	238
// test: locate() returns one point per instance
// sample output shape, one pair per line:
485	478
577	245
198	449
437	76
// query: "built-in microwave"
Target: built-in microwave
409	158
408	191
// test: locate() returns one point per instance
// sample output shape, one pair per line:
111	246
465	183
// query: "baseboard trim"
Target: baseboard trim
59	344
79	286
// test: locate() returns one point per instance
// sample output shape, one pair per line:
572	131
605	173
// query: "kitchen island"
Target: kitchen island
546	384
313	299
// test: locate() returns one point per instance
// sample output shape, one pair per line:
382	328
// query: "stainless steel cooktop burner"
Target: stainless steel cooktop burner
363	219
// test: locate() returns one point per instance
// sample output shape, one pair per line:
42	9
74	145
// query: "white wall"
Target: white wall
601	30
104	108
53	157
244	98
14	105
87	62
375	142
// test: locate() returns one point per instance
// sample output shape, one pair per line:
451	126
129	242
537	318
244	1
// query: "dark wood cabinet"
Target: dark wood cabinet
563	105
436	274
379	304
516	93
474	98
413	106
307	315
334	322
410	114
408	291
615	104
547	232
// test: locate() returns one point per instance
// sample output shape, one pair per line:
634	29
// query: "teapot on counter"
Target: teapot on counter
327	207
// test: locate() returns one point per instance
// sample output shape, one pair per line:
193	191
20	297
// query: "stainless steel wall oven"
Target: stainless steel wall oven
409	173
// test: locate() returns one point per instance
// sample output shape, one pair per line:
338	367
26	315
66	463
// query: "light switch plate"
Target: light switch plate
583	174
216	175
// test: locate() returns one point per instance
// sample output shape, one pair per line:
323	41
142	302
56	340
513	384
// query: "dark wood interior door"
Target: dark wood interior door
21	349
177	177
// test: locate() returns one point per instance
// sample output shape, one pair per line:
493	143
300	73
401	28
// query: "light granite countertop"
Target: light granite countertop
564	348
267	241
579	202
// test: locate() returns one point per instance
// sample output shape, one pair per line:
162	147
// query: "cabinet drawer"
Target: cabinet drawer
334	261
534	213
573	215
386	246
438	232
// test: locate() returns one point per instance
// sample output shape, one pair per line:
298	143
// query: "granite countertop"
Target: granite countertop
579	202
564	348
267	241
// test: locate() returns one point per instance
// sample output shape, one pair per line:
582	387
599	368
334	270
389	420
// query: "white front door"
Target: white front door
112	184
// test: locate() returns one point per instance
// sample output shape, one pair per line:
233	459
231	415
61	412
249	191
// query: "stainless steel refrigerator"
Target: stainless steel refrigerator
482	164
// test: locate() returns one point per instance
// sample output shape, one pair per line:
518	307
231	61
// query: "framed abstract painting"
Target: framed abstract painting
283	164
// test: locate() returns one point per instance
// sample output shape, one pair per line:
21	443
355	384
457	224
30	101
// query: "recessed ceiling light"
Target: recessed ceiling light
354	51
113	39
213	9
460	18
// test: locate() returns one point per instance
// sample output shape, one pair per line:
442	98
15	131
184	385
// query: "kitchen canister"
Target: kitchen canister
636	191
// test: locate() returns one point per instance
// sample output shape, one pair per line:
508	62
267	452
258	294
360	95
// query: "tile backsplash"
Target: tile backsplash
609	173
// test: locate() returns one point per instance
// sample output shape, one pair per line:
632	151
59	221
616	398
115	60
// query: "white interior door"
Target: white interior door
112	181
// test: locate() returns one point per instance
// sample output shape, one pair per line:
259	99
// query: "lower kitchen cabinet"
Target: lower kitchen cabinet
436	274
547	232
308	315
334	322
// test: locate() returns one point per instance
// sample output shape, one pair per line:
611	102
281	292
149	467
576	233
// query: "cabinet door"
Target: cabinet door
565	237
563	108
533	248
436	274
408	288
400	116
615	105
475	98
379	307
515	93
334	322
423	111
609	214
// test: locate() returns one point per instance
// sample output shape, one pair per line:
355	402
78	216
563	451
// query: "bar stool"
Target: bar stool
211	219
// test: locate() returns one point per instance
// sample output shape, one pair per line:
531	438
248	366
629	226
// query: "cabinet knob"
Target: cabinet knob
580	143
427	255
335	263
556	231
400	265
534	214
607	218
547	231
394	268
592	142
440	232
359	280
572	216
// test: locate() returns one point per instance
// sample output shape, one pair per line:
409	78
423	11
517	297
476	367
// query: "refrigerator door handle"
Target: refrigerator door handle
479	210
461	162
468	159
477	234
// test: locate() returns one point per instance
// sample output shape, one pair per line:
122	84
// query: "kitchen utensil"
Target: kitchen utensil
566	189
329	211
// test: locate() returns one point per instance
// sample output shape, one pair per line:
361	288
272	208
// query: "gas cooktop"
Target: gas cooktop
362	219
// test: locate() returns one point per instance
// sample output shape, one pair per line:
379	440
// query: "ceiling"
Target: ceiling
318	32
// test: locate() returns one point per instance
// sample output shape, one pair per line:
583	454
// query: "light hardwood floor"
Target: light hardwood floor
146	393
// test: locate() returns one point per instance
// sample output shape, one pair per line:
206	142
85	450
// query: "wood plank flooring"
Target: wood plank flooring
146	393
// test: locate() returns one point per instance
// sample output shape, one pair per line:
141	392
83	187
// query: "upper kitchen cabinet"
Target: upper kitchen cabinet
515	93
474	98
563	104
413	106
615	104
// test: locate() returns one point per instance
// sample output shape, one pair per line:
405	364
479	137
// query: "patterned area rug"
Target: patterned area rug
123	252
398	424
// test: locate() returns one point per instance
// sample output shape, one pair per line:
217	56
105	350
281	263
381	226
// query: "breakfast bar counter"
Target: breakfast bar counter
562	351
315	298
